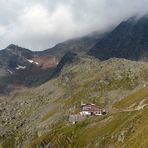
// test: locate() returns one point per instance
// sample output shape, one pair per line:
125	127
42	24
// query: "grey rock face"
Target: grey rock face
128	40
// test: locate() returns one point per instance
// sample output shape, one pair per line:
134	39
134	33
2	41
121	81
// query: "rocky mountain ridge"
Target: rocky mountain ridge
20	66
23	67
128	40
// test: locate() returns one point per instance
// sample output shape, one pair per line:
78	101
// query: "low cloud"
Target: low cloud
41	24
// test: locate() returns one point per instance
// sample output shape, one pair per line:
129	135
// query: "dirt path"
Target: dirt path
134	107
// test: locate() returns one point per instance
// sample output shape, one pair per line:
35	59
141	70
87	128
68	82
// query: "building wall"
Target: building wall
85	113
89	113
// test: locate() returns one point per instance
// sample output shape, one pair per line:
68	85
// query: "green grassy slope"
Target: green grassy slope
127	129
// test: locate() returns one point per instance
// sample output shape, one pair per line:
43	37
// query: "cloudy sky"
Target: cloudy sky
40	24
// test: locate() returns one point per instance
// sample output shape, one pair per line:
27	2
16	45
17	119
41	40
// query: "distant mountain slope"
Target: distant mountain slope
68	58
79	45
128	40
22	67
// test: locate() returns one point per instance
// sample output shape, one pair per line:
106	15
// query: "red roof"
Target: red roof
90	107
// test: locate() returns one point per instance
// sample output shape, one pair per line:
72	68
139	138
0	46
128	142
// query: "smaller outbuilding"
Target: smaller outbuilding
74	118
91	109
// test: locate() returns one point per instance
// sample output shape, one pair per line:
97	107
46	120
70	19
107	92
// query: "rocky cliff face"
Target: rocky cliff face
128	40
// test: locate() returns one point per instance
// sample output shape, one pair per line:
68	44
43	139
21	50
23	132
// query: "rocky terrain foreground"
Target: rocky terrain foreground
38	117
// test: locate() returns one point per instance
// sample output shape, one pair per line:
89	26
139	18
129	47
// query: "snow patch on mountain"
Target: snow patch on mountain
33	62
36	63
10	71
30	61
20	67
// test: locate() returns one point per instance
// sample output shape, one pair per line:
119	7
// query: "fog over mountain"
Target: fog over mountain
40	24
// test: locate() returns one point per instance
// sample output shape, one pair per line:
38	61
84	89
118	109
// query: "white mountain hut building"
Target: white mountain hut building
91	109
